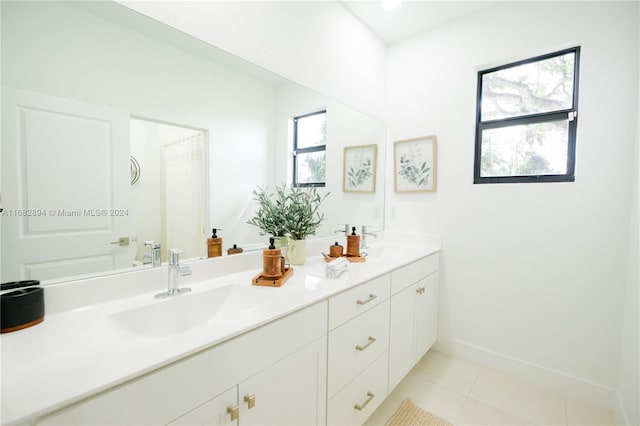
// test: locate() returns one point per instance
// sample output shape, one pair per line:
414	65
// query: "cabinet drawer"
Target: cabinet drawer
356	344
369	386
359	299
403	277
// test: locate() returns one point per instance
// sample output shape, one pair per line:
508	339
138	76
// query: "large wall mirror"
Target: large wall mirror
118	130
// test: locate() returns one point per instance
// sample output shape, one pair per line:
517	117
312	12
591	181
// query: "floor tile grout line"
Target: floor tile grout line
475	380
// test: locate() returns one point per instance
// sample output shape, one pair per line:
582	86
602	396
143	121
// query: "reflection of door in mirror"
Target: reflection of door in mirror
168	201
65	194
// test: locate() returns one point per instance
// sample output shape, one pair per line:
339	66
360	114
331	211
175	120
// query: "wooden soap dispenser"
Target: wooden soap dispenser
214	244
271	261
336	250
353	243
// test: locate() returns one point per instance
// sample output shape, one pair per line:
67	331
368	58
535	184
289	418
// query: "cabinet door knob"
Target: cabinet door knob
364	302
369	343
250	399
370	396
233	410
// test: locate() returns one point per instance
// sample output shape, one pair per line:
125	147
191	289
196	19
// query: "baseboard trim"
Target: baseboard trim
619	412
573	387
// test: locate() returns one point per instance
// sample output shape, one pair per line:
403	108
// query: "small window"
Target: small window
526	120
309	149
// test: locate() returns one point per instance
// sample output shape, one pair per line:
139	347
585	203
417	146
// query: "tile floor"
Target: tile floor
464	393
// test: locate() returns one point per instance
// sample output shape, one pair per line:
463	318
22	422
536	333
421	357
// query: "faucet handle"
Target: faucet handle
152	244
365	230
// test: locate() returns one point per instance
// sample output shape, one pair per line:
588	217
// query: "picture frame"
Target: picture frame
415	164
359	170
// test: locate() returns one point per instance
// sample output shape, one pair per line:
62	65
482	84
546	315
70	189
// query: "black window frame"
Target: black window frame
569	114
307	150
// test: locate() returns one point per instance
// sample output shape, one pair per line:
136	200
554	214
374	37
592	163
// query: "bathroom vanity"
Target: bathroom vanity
315	351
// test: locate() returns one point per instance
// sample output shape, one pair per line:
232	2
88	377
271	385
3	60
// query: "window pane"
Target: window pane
534	149
311	167
311	130
536	87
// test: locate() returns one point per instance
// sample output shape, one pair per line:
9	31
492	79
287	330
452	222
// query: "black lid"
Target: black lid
19	284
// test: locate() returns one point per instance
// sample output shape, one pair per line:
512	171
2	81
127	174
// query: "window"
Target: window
309	149
526	120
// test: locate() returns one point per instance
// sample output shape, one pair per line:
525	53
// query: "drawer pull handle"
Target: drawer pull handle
364	302
233	410
250	399
370	396
420	290
369	343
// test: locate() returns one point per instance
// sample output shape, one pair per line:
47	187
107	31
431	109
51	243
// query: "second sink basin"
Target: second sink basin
180	313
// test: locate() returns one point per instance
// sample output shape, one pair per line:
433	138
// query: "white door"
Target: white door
65	187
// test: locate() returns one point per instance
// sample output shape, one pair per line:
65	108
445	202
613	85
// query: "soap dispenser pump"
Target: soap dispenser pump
353	243
214	244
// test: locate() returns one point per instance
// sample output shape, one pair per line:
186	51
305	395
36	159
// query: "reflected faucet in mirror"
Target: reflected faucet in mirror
154	256
345	230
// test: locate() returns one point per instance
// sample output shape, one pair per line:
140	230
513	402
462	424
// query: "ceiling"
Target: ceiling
411	17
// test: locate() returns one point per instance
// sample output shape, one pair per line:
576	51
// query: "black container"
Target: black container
21	308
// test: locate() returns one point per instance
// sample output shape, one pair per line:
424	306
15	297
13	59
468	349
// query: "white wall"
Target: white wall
318	44
60	50
534	275
629	374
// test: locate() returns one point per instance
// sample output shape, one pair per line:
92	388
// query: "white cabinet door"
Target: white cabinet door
413	329
290	392
402	335
222	410
426	314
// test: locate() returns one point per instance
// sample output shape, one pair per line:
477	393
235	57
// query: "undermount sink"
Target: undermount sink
181	313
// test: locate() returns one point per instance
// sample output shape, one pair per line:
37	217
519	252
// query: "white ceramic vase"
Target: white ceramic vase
297	252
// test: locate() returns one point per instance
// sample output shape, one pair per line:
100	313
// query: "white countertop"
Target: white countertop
80	349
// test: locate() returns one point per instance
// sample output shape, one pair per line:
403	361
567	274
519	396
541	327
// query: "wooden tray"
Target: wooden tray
258	280
328	258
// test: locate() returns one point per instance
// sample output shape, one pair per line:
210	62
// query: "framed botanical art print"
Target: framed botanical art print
414	164
359	174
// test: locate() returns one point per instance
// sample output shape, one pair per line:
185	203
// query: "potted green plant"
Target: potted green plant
302	219
270	218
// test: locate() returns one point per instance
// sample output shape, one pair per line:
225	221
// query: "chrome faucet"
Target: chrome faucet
175	272
346	229
363	238
154	256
